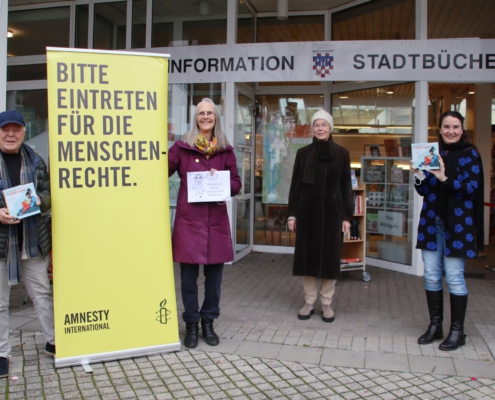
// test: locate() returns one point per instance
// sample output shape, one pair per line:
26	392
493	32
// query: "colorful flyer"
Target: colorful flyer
425	155
21	201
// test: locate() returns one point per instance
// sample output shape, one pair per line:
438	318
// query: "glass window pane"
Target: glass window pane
205	32
293	29
82	16
33	105
138	24
26	72
375	20
110	25
468	19
282	127
33	30
162	30
245	24
182	100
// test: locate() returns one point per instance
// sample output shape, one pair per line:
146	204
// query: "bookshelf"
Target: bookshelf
355	242
389	208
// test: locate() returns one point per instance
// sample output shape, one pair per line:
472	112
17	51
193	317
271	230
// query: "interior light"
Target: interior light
343	97
10	34
204	8
471	92
390	92
282	9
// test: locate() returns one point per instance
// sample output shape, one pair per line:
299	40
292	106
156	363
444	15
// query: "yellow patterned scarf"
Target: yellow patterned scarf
207	147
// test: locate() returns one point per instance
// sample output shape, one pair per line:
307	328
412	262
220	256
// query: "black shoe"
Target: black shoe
435	308
191	338
456	338
50	349
4	367
208	333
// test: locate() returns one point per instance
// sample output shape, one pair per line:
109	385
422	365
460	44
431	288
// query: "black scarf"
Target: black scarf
451	161
319	151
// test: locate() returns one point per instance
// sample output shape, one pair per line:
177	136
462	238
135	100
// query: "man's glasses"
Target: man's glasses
205	113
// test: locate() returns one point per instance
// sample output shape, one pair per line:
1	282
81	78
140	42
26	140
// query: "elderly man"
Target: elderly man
24	243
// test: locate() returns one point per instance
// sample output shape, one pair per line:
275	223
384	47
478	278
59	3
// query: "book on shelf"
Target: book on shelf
425	155
375	173
358	204
354	180
21	201
375	150
376	199
397	174
354	233
405	145
391	147
372	222
349	260
398	196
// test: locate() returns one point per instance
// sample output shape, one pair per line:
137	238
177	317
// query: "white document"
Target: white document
203	187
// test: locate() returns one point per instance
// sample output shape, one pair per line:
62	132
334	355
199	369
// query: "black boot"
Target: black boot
435	308
208	333
191	338
456	338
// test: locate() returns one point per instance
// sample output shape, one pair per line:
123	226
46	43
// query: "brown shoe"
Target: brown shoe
306	311
327	314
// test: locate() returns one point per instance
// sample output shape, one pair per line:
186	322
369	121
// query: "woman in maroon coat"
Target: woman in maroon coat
202	230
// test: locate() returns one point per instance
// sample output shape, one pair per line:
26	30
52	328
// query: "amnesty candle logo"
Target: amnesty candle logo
322	61
164	313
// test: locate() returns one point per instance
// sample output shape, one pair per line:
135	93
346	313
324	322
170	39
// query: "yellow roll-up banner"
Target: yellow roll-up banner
113	271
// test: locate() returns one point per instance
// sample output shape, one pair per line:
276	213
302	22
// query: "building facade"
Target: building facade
386	69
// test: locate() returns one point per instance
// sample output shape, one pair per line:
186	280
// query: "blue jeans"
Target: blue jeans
436	262
189	289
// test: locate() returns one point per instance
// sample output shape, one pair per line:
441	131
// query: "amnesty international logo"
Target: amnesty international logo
164	313
322	62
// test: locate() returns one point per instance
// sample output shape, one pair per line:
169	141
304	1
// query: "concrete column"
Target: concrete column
483	139
4	8
420	135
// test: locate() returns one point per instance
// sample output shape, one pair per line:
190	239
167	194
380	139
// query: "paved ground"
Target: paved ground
369	351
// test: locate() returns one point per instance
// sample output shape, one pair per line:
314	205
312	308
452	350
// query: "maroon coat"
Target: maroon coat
201	230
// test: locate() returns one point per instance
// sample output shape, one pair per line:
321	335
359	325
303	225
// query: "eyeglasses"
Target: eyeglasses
205	113
317	126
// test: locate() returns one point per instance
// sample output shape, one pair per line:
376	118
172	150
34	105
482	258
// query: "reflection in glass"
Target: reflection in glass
293	29
35	29
33	105
196	33
282	127
82	17
376	20
138	24
245	24
26	72
110	25
243	225
182	101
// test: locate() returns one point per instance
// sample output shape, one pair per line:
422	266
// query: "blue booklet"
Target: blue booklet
21	201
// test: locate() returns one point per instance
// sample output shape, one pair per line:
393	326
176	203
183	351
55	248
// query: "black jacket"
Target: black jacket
42	221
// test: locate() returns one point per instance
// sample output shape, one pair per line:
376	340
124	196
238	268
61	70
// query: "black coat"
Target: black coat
320	198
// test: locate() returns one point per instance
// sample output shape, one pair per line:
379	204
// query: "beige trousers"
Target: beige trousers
327	290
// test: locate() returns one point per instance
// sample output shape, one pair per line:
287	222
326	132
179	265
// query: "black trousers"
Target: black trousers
210	309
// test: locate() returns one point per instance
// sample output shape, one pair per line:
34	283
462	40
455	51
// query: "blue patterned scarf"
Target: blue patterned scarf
30	229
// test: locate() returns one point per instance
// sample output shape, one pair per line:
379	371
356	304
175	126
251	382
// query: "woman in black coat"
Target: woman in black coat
320	208
450	227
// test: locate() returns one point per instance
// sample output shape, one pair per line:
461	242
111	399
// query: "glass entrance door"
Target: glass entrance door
244	145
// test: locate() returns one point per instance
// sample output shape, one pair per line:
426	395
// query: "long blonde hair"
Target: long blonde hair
191	136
